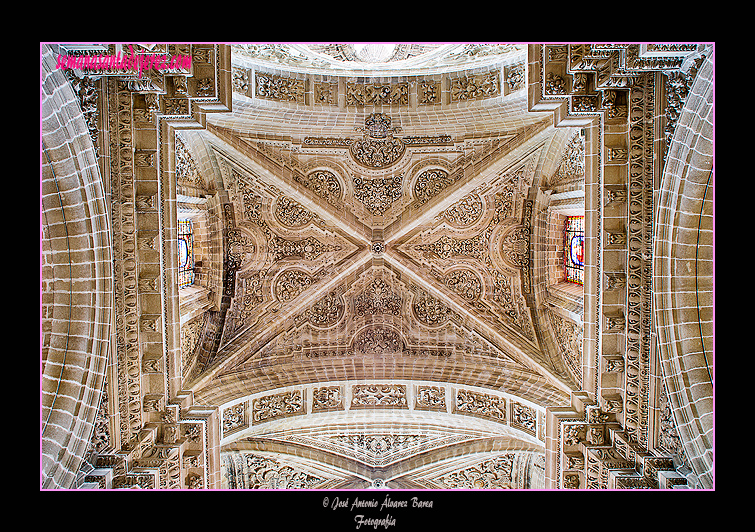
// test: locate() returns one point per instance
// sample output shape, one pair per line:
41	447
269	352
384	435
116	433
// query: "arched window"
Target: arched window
574	249
185	253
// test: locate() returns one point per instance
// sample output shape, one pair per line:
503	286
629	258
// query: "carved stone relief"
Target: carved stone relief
377	194
494	473
481	405
277	405
252	471
475	87
279	88
430	398
378	341
379	395
378	298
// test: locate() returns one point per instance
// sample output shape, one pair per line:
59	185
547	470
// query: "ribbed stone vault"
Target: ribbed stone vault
382	245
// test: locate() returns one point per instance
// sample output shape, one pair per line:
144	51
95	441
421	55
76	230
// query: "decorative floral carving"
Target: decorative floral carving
307	249
240	79
428	92
465	212
523	417
279	88
573	161
190	334
481	404
326	93
465	283
490	474
234	418
554	84
281	404
377	194
290	284
569	340
378	298
265	473
388	395
475	87
323	183
327	311
361	94
327	398
378	148
515	76
516	250
290	213
379	444
430	183
186	168
430	310
446	247
431	397
239	246
378	341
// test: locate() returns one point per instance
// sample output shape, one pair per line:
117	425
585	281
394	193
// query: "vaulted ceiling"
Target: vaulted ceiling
379	318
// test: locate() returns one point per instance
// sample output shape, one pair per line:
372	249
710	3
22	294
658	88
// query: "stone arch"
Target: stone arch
77	287
683	275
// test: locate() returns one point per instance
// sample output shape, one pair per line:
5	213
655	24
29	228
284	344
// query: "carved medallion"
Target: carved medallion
465	283
290	284
430	311
430	183
377	194
378	148
466	212
290	213
378	341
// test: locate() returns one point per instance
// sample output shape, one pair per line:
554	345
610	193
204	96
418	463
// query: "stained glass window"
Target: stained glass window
185	253
574	249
